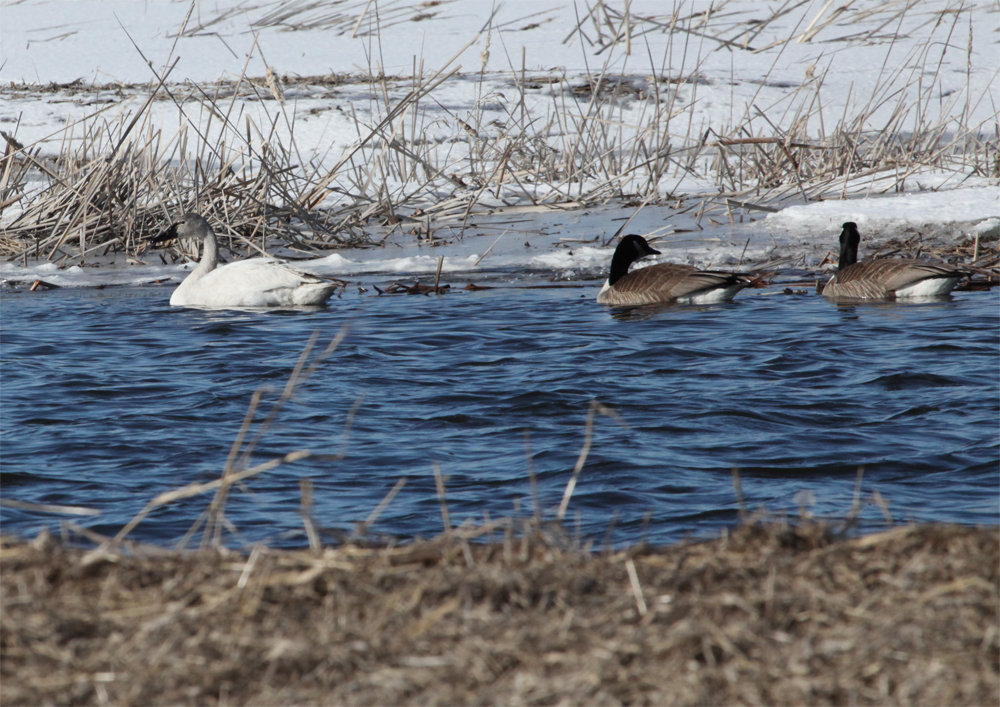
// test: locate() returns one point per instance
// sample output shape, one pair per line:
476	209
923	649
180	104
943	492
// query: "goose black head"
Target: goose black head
849	241
630	249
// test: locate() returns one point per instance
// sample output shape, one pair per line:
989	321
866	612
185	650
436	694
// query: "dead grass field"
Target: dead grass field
771	614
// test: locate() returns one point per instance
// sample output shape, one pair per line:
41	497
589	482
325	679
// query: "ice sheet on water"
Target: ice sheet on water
105	276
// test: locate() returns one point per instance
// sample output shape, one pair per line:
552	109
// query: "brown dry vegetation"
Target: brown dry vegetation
117	179
768	615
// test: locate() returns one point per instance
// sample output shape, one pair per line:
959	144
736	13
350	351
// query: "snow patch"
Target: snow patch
917	209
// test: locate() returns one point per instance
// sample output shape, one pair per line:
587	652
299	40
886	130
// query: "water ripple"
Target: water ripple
111	397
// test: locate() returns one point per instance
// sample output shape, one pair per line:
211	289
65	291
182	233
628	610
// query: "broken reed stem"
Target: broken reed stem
633	578
363	527
193	530
595	407
247	421
476	264
439	480
437	275
49	508
349	424
255	555
536	500
745	246
855	508
306	488
883	506
738	487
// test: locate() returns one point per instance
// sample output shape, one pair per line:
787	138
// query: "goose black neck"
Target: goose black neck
630	249
619	266
849	240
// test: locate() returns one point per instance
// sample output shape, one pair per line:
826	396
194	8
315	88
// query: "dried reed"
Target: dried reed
614	135
770	614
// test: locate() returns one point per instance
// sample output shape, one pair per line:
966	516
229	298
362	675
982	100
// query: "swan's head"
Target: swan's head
190	225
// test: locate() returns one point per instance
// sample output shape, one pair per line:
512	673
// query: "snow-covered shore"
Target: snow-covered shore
723	65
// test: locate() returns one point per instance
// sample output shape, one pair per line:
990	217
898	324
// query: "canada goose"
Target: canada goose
665	282
887	278
257	282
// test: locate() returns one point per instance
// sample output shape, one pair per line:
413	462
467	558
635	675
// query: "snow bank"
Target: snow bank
957	206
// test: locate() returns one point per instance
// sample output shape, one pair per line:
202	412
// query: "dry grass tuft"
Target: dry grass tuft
769	615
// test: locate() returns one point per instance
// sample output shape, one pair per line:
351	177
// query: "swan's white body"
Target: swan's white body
258	282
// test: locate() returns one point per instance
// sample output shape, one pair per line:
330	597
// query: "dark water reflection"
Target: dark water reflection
111	396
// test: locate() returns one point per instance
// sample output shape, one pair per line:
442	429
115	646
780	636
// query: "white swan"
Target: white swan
257	282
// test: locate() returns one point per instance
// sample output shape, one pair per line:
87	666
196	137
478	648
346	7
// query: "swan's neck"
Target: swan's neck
210	254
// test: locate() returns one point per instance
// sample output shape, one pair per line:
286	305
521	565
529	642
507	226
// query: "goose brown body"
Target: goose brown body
665	282
888	278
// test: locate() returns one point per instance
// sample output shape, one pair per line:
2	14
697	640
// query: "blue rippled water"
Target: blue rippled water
110	396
